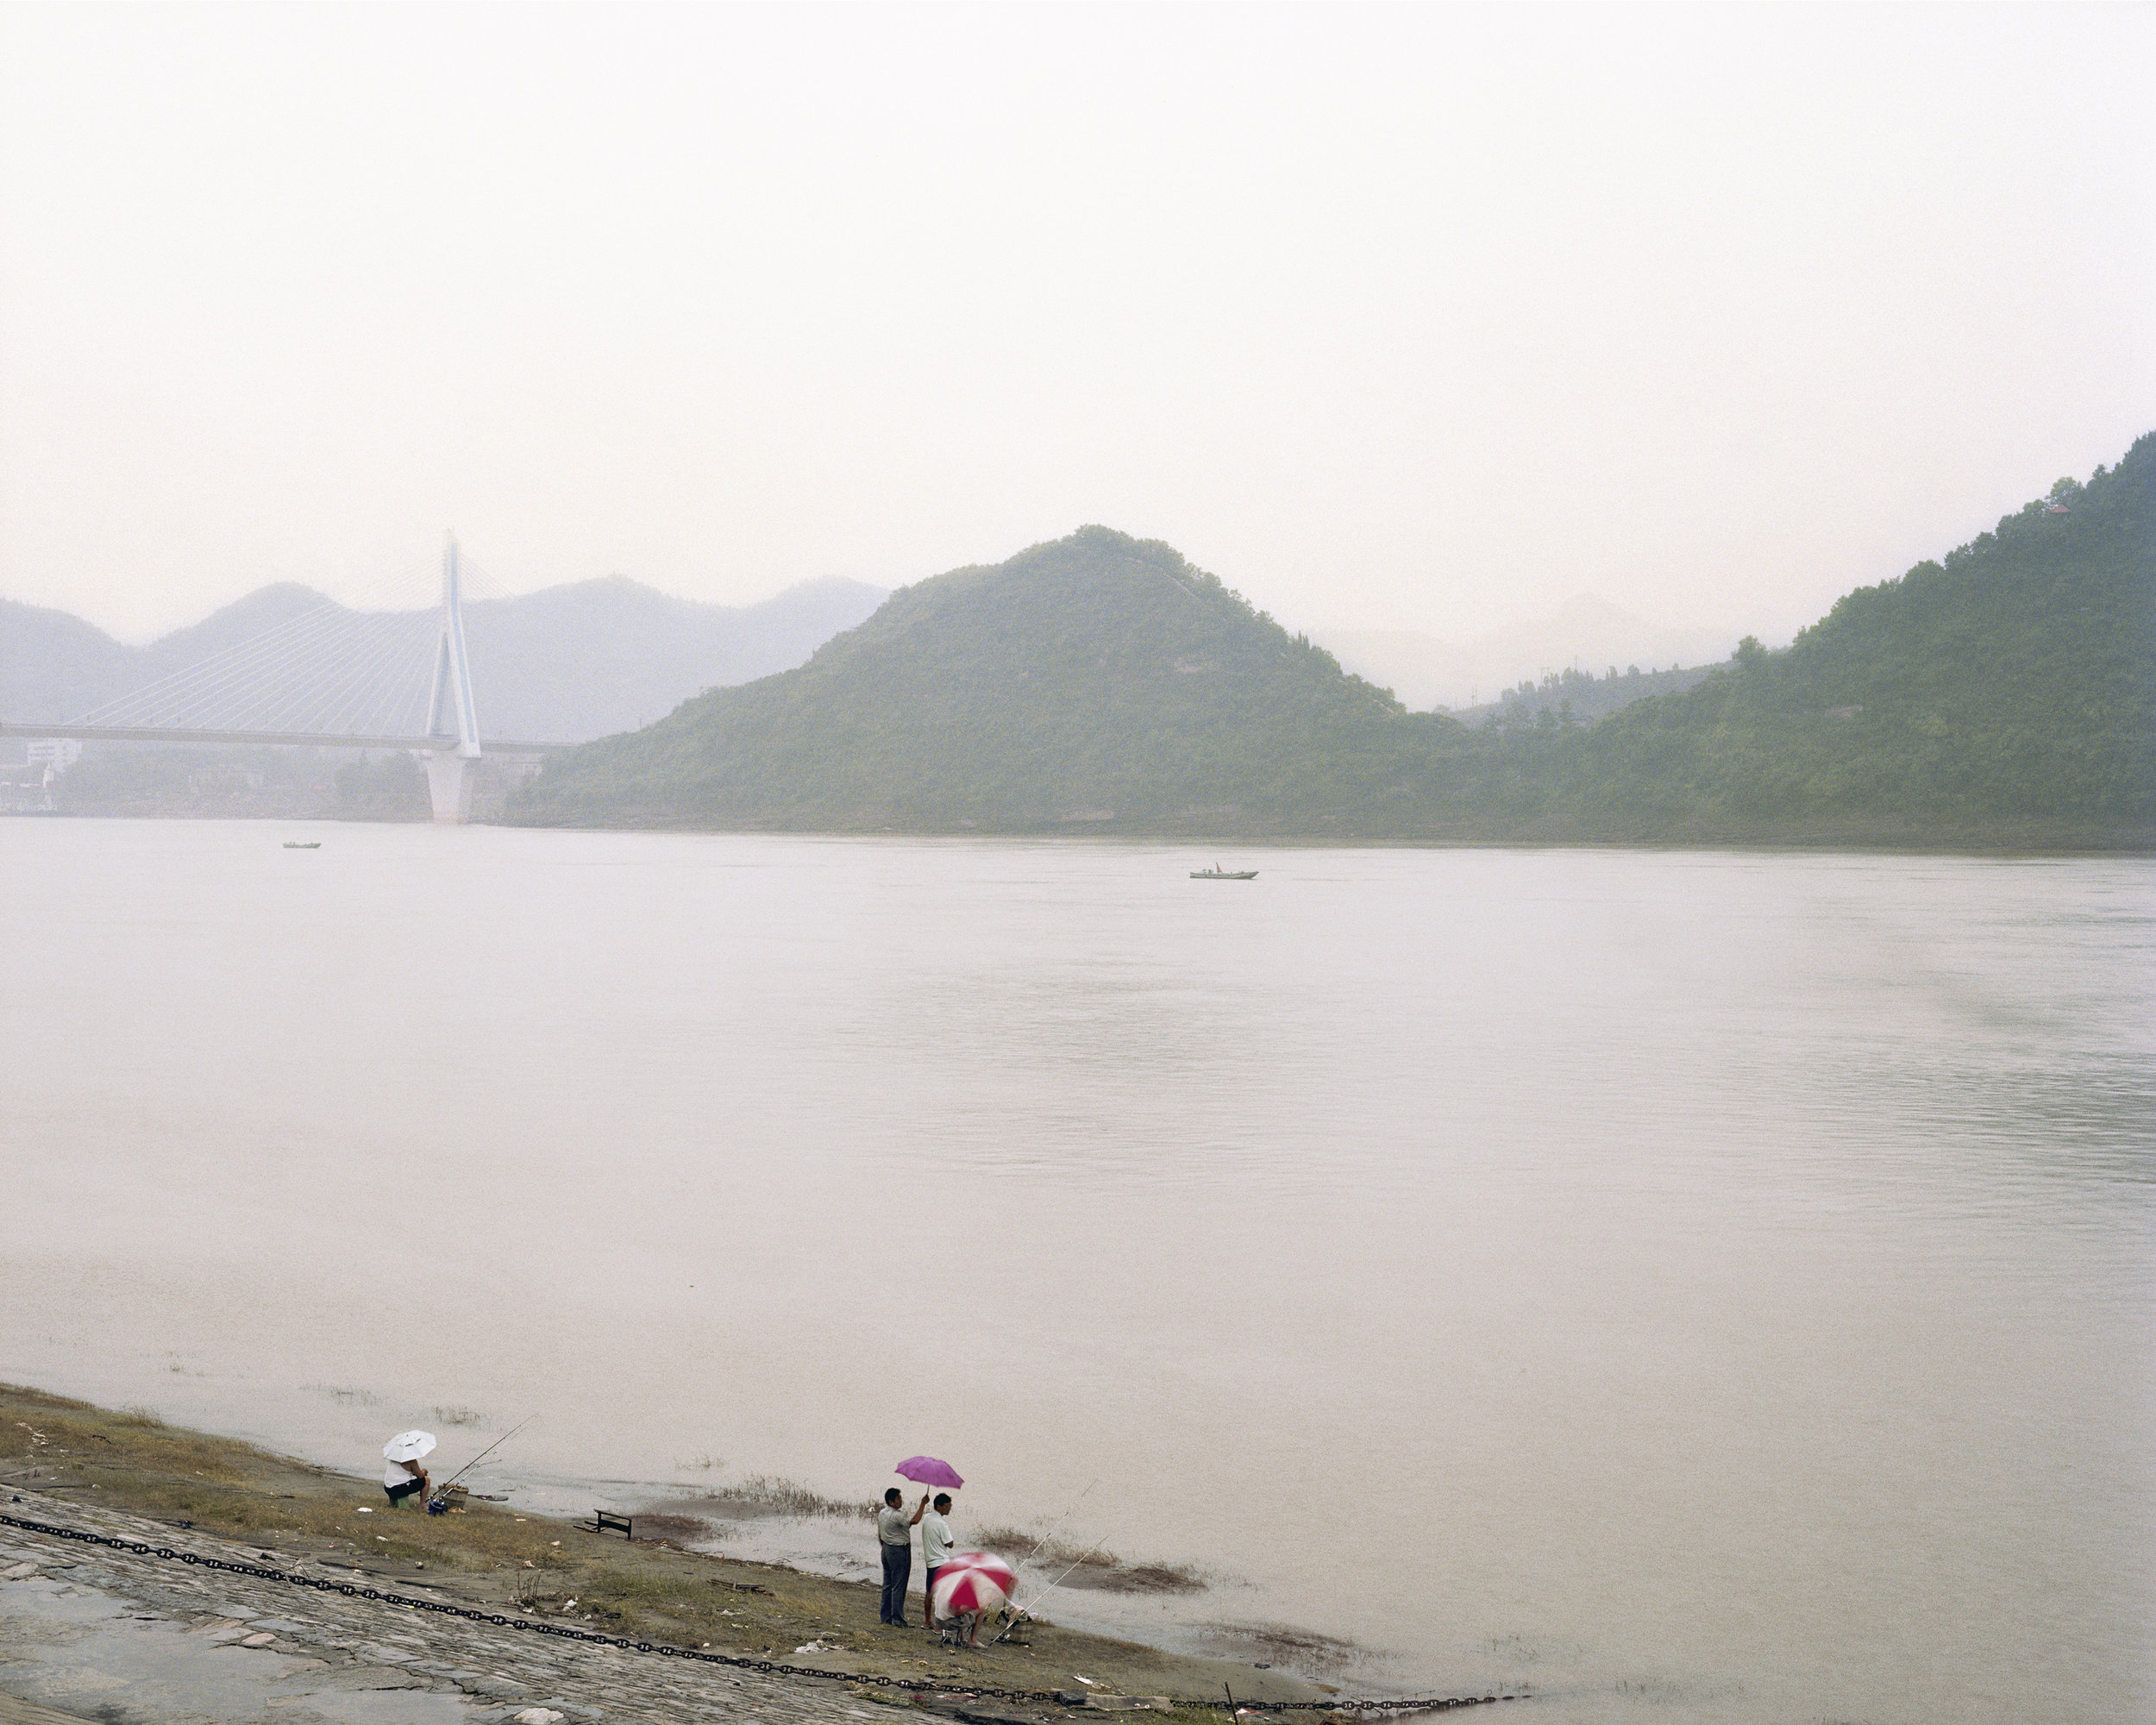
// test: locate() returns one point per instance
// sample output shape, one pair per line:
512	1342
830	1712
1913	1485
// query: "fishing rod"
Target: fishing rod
484	1454
1019	1614
1042	1543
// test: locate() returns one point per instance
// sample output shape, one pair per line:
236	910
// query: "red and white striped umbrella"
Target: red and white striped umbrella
995	1565
972	1581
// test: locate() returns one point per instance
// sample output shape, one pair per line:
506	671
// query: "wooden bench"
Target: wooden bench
606	1521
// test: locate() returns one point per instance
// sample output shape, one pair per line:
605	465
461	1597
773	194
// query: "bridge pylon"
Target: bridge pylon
452	719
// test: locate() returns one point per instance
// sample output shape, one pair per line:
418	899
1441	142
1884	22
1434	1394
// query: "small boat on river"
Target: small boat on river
295	845
1216	873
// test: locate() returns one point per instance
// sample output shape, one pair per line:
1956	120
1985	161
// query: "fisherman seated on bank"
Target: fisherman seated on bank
936	1544
403	1479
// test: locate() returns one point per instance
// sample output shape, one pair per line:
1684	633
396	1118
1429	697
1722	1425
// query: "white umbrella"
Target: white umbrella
408	1445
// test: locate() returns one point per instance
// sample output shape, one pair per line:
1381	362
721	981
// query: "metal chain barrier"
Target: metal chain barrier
563	1632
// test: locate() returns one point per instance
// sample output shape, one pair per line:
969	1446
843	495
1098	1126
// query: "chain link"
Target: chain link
915	1685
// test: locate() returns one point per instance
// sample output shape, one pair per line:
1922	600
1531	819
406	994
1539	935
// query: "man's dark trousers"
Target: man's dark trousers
897	1568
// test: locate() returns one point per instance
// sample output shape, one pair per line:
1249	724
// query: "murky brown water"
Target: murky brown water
1705	1286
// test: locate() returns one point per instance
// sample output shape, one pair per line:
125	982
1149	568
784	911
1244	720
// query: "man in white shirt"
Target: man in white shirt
936	1544
403	1479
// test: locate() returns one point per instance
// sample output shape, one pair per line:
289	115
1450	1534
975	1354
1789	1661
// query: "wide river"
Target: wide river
1705	1286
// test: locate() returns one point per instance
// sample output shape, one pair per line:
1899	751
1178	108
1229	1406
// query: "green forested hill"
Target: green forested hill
1093	678
2015	680
1100	682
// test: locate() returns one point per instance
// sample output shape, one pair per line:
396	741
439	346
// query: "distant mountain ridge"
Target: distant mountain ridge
2006	694
611	655
565	664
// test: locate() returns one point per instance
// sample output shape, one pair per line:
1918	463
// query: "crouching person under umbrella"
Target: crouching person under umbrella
968	1588
403	1477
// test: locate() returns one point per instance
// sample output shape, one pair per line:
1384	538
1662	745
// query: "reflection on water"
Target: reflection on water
1708	1285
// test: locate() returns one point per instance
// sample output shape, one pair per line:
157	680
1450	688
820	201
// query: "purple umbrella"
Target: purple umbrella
929	1471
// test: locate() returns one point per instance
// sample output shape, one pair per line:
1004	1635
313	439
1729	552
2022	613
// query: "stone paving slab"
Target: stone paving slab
14	1711
100	1633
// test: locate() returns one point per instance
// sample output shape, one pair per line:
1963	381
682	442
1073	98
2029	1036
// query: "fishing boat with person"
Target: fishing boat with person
1216	873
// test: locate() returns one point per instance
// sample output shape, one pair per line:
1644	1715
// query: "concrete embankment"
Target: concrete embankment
94	1632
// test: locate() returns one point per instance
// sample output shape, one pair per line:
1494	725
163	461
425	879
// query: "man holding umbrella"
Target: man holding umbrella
936	1539
894	1534
404	1476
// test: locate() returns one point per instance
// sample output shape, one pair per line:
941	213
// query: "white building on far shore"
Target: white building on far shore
59	753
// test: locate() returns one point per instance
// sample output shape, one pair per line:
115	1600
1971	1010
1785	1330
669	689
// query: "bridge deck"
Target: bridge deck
108	733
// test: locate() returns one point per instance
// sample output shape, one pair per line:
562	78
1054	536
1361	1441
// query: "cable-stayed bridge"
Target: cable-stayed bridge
327	678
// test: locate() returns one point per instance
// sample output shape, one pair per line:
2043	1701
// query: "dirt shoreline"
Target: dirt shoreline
54	1451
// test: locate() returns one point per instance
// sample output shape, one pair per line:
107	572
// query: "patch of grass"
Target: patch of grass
762	1493
1096	1570
75	1435
342	1396
1305	1650
677	1527
692	1609
1153	1578
247	1494
1016	1544
457	1416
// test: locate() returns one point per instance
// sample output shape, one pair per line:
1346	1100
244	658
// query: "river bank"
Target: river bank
62	1459
1883	835
1887	834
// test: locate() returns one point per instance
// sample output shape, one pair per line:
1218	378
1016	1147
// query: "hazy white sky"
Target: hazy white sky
1420	316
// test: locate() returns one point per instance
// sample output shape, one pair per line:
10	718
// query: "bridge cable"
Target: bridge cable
384	642
205	679
208	677
294	683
